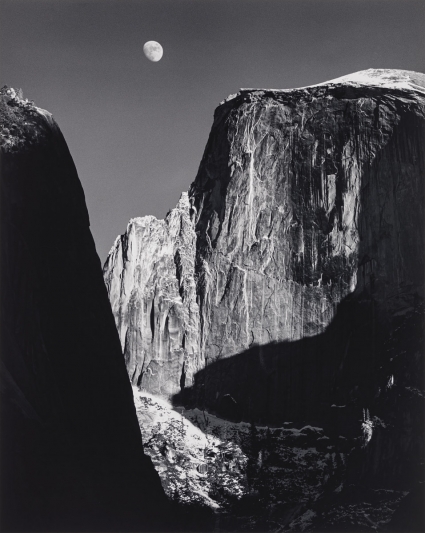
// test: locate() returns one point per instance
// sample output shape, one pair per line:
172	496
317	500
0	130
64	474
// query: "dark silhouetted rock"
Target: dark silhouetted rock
71	451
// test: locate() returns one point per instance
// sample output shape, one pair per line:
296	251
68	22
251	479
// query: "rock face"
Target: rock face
150	275
288	285
71	450
304	198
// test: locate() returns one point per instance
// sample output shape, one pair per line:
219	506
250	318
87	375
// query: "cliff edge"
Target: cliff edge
71	450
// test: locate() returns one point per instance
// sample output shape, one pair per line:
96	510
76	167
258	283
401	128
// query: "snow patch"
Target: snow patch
192	465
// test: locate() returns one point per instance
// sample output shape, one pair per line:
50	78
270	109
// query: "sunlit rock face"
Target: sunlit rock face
150	276
286	289
302	198
71	451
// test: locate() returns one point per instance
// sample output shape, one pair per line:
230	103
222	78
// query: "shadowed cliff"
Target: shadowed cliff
361	381
327	380
71	450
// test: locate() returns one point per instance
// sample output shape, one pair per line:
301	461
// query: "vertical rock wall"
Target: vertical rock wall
71	451
317	182
303	198
149	274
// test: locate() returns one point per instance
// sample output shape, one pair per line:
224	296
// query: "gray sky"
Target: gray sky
137	129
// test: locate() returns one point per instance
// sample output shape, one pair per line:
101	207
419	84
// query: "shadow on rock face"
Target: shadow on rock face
361	379
410	515
272	383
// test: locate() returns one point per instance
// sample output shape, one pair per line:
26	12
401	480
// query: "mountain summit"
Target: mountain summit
386	78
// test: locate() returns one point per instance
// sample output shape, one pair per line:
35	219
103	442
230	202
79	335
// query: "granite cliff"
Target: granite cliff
150	275
288	285
303	198
71	451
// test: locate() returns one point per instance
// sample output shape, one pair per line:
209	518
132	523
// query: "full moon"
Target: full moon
153	50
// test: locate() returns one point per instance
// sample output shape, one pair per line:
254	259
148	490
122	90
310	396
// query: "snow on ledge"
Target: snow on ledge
386	78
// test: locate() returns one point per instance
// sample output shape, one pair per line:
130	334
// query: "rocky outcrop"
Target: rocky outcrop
303	198
307	203
71	450
301	240
150	276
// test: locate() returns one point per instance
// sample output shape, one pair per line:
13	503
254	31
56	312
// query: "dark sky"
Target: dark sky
136	129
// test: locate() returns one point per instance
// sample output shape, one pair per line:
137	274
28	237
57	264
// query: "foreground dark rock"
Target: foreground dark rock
71	450
288	284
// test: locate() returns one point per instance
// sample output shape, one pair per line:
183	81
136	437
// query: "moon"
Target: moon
153	50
